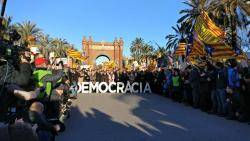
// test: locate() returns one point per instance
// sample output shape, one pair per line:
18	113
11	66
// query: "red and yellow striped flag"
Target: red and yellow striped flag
198	47
76	55
207	31
223	51
211	35
180	50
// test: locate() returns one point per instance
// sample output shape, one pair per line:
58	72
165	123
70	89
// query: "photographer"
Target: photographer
14	61
17	71
22	76
16	88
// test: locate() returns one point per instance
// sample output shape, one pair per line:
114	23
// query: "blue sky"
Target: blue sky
102	19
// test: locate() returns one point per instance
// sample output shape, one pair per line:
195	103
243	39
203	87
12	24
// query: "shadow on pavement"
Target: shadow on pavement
167	120
160	122
98	126
147	118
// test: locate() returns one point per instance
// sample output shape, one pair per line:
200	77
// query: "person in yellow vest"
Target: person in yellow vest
176	85
40	72
45	78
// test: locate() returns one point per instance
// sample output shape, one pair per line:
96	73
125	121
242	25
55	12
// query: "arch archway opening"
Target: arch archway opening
101	59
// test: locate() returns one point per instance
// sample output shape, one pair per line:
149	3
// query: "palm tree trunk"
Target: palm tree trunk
231	9
234	31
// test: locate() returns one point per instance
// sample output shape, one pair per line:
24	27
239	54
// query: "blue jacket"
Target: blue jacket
233	78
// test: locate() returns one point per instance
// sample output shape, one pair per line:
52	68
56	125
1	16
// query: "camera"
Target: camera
8	51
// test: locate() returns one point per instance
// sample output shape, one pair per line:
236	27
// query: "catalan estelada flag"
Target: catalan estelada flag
180	50
73	53
208	39
224	51
197	48
76	55
207	31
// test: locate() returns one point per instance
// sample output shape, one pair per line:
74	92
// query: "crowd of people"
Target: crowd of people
36	95
214	87
221	88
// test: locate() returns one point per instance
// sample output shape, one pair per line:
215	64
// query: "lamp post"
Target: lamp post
4	2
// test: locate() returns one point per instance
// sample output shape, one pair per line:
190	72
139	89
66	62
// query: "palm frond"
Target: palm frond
189	3
183	18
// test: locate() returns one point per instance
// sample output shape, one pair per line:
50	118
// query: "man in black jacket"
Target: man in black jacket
221	84
194	80
20	75
46	131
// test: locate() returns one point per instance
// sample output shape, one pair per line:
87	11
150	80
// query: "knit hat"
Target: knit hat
40	61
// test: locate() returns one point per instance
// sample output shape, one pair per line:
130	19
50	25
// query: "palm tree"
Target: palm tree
230	15
27	30
191	13
6	26
244	4
147	52
231	10
160	52
180	36
137	48
60	46
45	45
227	14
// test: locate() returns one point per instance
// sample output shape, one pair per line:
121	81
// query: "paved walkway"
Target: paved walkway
145	117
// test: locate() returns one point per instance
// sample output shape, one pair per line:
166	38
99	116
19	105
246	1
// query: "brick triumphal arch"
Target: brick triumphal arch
112	50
